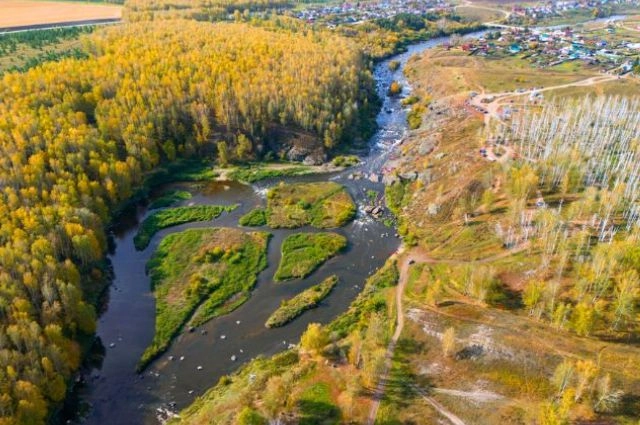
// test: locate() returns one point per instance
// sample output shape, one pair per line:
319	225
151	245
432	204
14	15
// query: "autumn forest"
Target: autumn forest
77	138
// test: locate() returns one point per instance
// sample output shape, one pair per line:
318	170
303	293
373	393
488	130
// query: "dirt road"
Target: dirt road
405	261
499	99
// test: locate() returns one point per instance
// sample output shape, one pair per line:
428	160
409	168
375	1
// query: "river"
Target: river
112	393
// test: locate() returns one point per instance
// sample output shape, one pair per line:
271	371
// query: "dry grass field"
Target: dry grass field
18	13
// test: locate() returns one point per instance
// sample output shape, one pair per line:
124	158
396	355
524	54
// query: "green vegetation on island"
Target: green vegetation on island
173	217
170	198
330	381
294	307
199	274
257	172
302	253
324	205
254	218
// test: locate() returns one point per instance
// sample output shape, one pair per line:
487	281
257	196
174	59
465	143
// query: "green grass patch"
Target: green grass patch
345	160
370	300
316	407
170	198
255	217
302	253
254	173
414	117
294	307
324	205
173	217
249	416
201	274
394	197
411	100
181	171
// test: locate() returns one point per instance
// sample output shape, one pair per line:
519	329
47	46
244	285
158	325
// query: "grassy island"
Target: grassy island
256	172
294	307
302	253
324	205
174	216
255	217
199	274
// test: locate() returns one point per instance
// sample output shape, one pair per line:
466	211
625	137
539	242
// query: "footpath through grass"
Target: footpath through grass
201	274
324	205
294	307
173	217
302	253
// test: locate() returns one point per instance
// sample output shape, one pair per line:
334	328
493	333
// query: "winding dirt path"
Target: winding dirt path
493	107
405	262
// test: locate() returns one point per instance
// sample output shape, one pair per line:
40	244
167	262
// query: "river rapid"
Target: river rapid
112	393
